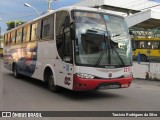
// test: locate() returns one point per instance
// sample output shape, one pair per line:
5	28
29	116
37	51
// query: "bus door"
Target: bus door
64	59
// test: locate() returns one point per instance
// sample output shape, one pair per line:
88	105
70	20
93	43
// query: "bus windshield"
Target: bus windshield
102	40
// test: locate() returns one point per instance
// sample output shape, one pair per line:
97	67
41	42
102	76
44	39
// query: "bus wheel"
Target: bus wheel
143	58
51	85
15	71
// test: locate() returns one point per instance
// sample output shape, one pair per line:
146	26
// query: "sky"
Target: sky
11	10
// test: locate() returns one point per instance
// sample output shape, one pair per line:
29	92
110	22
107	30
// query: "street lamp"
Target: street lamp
28	5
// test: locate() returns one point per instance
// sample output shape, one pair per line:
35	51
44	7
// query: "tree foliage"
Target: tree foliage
12	24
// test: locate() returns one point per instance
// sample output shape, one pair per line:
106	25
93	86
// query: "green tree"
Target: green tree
12	24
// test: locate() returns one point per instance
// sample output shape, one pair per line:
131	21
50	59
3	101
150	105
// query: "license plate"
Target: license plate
105	86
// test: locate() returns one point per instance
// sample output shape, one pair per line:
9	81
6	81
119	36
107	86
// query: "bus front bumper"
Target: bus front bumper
81	84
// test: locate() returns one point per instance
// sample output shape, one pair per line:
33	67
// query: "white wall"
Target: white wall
140	70
154	72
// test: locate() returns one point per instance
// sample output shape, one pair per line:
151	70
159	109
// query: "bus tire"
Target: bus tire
15	71
143	58
50	80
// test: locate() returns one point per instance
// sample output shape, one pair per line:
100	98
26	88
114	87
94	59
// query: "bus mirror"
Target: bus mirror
72	30
66	29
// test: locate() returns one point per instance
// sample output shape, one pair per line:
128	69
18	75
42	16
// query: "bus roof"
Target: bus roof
90	9
69	8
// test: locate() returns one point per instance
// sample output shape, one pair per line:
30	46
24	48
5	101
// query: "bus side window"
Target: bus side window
155	45
5	39
13	39
48	27
142	44
68	49
35	31
19	35
26	33
9	38
62	20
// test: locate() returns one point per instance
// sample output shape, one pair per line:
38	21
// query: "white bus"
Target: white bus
77	48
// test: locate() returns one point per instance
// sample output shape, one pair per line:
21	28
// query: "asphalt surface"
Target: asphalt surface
28	94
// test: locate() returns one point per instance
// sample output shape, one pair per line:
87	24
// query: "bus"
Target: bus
148	48
77	48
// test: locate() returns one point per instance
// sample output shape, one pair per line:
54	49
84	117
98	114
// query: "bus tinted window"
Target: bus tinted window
5	39
13	39
156	45
26	33
153	45
68	45
9	38
140	44
62	20
34	31
19	35
147	45
47	29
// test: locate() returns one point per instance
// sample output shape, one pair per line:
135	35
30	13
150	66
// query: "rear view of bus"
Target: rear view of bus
103	55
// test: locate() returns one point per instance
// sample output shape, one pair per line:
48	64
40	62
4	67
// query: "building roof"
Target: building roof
146	19
135	5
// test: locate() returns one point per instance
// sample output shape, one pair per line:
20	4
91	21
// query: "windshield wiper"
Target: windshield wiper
111	46
119	35
118	55
100	58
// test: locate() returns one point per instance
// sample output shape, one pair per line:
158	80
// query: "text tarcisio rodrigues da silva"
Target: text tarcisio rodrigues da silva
128	114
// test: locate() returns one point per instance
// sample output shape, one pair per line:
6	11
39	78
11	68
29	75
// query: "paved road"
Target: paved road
28	94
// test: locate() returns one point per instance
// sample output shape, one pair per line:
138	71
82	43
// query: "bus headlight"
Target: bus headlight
127	75
84	75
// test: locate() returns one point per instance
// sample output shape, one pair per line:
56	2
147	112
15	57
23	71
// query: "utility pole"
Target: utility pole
49	5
